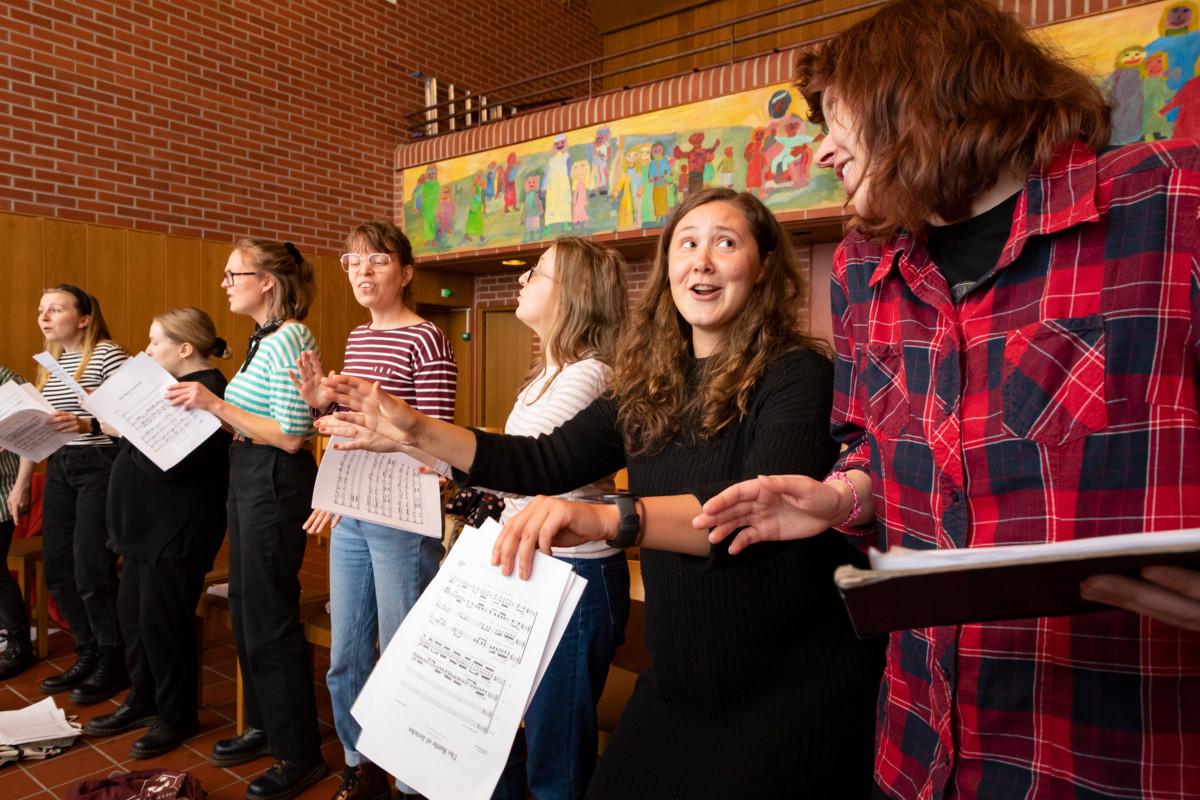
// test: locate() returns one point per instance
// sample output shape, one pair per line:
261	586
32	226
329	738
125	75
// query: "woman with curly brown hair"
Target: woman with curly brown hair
758	688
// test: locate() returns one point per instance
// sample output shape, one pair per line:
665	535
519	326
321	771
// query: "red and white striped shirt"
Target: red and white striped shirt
414	363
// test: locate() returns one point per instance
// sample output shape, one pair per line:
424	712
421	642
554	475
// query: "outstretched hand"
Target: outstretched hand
307	380
359	394
771	508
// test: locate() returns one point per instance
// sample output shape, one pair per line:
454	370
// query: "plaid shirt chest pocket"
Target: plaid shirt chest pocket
1054	375
882	369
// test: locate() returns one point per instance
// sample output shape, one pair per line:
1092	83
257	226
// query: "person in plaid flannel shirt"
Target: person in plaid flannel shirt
1016	314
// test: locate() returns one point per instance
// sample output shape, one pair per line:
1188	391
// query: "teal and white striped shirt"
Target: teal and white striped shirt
265	390
9	461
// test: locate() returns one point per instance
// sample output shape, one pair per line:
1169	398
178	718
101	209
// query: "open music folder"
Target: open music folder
925	588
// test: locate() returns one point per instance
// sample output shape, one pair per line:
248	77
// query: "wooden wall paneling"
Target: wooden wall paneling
314	321
507	352
212	299
106	278
64	250
21	268
183	274
334	314
145	295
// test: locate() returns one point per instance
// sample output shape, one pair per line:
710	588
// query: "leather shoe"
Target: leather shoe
163	738
75	674
250	745
18	653
108	678
123	719
286	779
364	782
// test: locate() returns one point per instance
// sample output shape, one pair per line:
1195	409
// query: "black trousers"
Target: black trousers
81	571
13	615
270	496
157	604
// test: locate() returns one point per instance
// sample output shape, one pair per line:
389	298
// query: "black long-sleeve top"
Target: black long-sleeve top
178	513
758	685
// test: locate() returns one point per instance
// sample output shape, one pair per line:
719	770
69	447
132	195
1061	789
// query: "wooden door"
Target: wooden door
507	352
453	322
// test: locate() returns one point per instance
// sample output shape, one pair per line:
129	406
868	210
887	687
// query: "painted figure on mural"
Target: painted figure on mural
1124	90
601	150
510	183
474	227
557	184
581	172
725	169
1179	39
659	175
627	192
445	215
426	197
1156	92
646	204
697	157
756	163
785	140
672	186
532	208
490	192
1186	103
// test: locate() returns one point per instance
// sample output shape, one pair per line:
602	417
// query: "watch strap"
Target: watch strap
629	527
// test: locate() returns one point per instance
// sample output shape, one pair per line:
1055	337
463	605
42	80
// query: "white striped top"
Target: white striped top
107	358
265	389
9	461
414	363
573	390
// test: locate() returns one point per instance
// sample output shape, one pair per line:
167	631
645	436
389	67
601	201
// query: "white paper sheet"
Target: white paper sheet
40	721
133	400
24	422
385	488
51	364
442	706
571	596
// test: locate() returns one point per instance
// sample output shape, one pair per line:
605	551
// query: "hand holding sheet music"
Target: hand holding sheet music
25	422
385	488
442	706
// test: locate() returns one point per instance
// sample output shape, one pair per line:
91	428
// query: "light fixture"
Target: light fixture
513	262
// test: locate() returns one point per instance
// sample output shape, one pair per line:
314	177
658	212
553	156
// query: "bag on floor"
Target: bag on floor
146	784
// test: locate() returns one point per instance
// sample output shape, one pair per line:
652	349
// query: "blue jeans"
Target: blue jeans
376	575
560	726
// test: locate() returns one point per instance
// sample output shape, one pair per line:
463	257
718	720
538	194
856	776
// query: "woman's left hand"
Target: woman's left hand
66	422
551	522
193	395
1168	594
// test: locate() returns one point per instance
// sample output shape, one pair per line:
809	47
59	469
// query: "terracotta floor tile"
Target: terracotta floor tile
17	782
71	766
220	692
116	747
181	759
251	770
11	700
214	778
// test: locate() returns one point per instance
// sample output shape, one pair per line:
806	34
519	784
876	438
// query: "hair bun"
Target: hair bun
221	348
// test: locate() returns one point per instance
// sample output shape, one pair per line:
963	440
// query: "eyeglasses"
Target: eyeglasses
528	275
231	276
351	260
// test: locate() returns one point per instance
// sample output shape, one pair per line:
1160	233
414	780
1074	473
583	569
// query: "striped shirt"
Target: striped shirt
107	358
414	363
9	461
573	390
265	389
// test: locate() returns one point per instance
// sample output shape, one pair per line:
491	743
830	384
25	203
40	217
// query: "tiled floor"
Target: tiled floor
97	757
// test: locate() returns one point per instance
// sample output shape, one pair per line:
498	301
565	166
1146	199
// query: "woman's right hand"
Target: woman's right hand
19	501
308	382
773	508
66	422
400	420
318	519
362	432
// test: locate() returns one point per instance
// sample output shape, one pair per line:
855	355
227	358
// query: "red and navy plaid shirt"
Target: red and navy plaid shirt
1057	400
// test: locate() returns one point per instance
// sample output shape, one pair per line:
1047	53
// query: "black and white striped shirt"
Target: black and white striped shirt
9	461
107	357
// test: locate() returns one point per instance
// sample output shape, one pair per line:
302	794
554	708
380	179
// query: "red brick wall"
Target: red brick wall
215	120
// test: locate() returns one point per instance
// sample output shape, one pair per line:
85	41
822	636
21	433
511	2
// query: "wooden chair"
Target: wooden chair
25	555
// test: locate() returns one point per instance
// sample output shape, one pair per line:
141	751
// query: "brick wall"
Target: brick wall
215	120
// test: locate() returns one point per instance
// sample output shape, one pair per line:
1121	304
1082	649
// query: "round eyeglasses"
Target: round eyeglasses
351	260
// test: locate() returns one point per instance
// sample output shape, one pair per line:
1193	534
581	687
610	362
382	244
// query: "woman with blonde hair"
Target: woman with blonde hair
81	570
270	488
168	526
758	687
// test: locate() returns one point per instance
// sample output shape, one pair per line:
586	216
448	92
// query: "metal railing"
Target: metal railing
480	108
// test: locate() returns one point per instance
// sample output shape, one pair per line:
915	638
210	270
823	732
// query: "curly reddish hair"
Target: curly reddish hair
948	96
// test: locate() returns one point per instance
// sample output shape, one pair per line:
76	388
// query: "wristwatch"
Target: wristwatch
95	427
629	529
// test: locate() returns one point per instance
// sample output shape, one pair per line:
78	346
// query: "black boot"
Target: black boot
18	653
108	678
76	674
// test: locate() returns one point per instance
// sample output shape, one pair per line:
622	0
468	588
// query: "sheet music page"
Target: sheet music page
385	488
442	706
133	400
54	368
24	418
40	721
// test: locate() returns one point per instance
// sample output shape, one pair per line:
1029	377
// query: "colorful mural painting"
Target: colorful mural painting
628	174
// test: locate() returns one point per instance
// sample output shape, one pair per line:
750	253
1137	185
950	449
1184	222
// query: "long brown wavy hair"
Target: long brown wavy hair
590	307
948	95
654	356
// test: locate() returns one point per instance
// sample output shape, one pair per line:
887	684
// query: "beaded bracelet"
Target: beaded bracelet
855	507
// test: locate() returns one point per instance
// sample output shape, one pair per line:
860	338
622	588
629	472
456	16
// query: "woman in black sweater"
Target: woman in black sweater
758	687
168	526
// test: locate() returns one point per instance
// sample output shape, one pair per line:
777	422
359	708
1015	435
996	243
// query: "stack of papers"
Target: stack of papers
24	422
442	707
37	731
